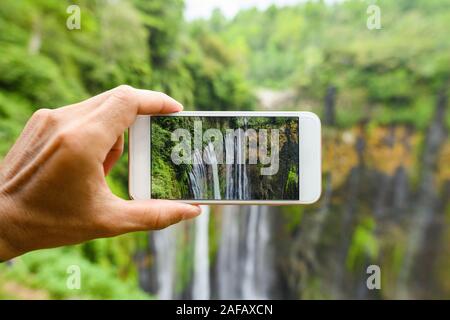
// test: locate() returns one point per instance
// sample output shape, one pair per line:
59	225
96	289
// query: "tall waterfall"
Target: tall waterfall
211	155
228	257
257	271
201	286
199	178
165	245
237	186
244	267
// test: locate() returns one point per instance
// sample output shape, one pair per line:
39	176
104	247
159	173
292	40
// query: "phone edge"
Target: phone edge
232	202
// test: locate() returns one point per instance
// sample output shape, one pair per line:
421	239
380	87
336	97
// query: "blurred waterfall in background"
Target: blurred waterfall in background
165	246
318	251
243	267
201	286
245	264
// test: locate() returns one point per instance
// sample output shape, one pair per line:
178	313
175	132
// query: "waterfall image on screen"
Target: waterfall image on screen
224	158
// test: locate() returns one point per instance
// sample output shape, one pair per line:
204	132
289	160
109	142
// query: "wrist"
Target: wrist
7	250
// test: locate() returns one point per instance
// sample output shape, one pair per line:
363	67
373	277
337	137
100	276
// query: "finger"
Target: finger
140	215
83	107
114	155
95	100
120	109
98	99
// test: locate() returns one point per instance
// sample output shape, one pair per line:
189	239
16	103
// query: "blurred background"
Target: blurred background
381	93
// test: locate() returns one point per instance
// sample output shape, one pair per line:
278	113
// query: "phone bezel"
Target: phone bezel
309	157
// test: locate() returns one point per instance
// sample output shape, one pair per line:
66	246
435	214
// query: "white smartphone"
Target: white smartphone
262	158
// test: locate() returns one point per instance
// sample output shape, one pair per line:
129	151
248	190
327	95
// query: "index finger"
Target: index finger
125	103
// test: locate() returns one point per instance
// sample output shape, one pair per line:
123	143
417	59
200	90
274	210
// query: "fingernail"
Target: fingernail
177	107
194	211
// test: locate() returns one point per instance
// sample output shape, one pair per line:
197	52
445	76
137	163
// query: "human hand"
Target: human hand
52	182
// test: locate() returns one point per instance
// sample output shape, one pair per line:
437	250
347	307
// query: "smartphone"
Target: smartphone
260	158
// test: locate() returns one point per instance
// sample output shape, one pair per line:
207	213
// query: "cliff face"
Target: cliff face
373	210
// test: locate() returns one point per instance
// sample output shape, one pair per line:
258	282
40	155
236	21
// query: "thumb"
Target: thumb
141	215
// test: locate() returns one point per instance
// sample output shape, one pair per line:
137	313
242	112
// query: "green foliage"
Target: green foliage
214	235
47	269
292	215
21	72
364	244
184	263
142	43
381	75
292	179
170	181
14	110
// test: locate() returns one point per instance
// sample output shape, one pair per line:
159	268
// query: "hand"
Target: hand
52	183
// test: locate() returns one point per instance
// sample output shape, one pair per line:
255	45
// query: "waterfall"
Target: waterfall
244	260
228	256
199	179
201	287
424	210
165	246
244	264
198	176
229	153
257	271
237	186
210	155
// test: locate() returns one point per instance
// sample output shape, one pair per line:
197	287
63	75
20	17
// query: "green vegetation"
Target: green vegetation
391	75
389	79
49	270
172	181
141	43
364	244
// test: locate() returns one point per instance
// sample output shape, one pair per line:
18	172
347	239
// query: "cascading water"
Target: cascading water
166	240
244	268
229	153
210	155
165	246
201	286
228	259
237	186
199	178
257	267
243	264
312	259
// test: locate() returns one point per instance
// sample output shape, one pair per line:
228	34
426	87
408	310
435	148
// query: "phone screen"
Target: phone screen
224	158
